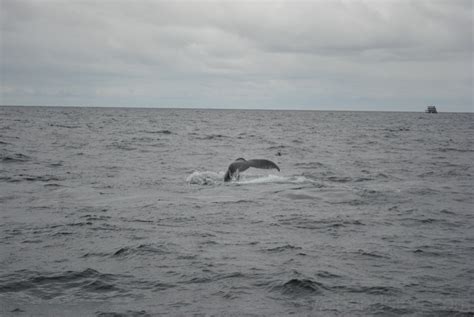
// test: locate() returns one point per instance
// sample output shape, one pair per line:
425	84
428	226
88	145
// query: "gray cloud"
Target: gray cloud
278	54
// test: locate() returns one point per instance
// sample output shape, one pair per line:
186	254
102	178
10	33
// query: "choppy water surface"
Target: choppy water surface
124	211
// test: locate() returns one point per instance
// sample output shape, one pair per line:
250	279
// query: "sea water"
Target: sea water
117	212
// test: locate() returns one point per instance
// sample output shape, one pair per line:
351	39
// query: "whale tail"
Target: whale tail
227	176
240	165
265	164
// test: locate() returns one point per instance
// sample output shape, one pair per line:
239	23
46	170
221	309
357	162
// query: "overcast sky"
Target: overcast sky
360	55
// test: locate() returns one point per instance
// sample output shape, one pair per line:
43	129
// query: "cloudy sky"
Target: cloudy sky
360	55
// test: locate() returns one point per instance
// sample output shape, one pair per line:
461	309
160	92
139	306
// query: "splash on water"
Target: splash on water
212	178
205	178
274	179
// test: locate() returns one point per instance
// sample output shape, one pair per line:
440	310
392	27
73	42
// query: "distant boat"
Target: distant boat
431	109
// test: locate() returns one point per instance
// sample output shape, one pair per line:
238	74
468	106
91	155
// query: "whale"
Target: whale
241	164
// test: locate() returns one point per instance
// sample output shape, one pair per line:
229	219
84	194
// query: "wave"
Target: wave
157	131
141	249
48	286
213	136
133	313
451	149
307	223
382	309
122	145
64	126
299	196
16	157
310	165
32	178
300	287
283	248
371	290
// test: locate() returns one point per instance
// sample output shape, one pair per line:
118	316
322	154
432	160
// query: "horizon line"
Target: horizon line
233	109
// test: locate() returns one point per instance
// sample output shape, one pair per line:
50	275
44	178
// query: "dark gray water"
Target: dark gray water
124	211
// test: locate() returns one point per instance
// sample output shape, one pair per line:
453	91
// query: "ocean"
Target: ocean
124	212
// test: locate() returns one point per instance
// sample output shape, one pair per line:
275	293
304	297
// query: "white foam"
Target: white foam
205	178
211	178
275	179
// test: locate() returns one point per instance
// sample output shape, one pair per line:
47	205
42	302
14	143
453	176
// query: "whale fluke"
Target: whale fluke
241	164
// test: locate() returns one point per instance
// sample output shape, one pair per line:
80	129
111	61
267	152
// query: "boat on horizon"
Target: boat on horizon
431	109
